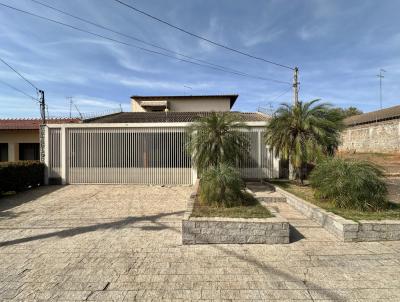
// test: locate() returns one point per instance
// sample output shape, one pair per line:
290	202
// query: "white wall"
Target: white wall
191	105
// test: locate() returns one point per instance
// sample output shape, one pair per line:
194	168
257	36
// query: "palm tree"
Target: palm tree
303	132
217	139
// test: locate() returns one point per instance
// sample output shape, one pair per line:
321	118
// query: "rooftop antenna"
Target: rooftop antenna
69	98
77	109
188	87
380	76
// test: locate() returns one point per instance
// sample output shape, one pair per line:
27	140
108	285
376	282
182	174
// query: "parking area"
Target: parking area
123	243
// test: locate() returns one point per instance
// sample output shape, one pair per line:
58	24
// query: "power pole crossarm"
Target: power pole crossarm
296	86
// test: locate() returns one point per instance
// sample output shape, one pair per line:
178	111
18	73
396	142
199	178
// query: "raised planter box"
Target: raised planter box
205	230
345	229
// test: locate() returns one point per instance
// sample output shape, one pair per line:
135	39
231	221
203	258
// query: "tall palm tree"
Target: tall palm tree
217	139
303	132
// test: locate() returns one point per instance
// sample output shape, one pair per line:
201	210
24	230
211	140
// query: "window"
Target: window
3	152
29	151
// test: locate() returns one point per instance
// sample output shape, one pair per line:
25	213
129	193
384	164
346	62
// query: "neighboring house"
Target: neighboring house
19	138
376	131
183	103
146	147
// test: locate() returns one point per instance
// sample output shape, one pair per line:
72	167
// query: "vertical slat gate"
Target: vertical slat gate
151	155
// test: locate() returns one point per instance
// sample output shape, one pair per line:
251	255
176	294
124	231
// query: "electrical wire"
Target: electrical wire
138	47
127	36
19	90
202	38
282	94
19	74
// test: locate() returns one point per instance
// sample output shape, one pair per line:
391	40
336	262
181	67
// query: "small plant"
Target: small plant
222	185
350	184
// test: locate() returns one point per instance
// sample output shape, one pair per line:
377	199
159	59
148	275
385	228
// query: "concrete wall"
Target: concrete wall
382	137
14	137
191	105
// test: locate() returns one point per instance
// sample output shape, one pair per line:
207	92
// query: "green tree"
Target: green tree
303	133
217	139
350	111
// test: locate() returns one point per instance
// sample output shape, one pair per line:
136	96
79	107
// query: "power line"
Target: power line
20	75
151	44
126	35
19	90
203	38
139	47
281	94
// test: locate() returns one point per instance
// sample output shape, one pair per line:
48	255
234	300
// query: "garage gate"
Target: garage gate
134	154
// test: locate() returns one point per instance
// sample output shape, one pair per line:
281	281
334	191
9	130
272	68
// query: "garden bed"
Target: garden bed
352	226
253	210
307	193
242	225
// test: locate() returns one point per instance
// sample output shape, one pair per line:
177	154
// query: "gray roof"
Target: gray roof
374	116
170	117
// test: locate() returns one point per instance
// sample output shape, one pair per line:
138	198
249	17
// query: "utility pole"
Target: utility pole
380	76
295	86
42	106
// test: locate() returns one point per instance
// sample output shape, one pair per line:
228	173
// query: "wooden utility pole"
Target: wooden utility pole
296	86
42	104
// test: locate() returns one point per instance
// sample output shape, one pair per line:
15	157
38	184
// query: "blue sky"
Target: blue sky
339	47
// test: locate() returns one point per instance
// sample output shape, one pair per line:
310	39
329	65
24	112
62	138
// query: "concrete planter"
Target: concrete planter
206	230
345	229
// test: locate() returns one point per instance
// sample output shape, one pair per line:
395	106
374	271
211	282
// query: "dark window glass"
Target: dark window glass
3	152
29	151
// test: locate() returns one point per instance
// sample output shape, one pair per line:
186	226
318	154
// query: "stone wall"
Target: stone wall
345	229
381	137
205	230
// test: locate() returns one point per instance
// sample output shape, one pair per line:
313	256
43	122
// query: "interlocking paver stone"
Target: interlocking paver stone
123	243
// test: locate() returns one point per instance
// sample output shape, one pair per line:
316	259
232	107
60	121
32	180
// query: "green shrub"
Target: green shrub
222	185
19	176
350	184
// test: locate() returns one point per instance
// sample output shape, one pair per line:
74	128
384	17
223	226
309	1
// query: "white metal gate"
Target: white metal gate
137	154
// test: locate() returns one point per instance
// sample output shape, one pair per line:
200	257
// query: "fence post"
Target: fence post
63	155
44	149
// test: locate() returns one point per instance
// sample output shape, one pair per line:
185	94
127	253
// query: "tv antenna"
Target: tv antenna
380	76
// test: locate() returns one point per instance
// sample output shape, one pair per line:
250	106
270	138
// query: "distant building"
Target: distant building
19	138
183	103
376	131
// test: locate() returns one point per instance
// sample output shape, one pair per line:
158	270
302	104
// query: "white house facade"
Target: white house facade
141	148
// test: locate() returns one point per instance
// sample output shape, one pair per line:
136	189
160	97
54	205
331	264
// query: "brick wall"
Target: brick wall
382	137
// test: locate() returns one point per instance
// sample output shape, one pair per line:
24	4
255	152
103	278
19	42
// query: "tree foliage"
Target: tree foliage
351	184
304	132
347	112
217	139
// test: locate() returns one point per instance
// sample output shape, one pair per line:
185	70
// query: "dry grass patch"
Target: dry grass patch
252	209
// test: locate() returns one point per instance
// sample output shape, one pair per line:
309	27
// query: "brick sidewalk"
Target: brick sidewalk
123	243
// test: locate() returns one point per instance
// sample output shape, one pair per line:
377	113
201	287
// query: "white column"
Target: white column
63	155
12	147
46	142
276	164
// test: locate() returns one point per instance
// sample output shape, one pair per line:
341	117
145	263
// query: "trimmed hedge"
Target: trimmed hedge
20	176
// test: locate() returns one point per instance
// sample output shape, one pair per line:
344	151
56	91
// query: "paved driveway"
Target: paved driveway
121	243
